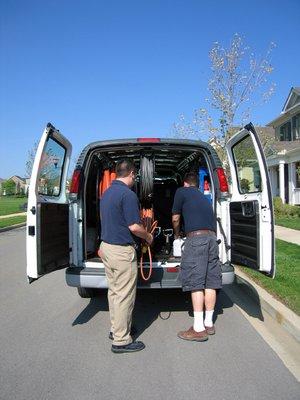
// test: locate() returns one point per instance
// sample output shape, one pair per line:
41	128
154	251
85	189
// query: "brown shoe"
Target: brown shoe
211	330
191	334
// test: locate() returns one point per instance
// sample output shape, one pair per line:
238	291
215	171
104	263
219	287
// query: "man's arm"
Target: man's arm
176	225
140	231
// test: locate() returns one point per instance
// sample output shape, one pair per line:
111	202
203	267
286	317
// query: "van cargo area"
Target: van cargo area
160	170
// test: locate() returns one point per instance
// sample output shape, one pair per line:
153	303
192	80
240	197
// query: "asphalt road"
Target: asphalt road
54	345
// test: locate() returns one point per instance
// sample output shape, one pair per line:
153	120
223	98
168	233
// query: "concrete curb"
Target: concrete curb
279	312
9	228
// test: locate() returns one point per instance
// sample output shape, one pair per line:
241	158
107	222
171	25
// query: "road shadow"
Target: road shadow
151	305
154	304
96	304
245	296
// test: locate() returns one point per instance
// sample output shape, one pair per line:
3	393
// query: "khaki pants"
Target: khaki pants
121	272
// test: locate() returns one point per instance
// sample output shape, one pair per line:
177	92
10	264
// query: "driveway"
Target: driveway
54	345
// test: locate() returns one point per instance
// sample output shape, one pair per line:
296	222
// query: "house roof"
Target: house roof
278	146
291	106
292	99
18	177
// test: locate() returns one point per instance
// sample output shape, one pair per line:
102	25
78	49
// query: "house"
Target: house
20	184
283	156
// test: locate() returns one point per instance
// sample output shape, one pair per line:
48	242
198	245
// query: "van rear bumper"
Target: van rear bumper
95	278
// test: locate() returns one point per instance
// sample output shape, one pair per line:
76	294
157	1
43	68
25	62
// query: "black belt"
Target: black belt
200	232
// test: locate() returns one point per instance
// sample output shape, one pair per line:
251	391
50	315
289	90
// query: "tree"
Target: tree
238	84
9	187
30	159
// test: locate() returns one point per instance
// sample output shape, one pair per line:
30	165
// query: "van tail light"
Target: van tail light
173	269
222	180
75	181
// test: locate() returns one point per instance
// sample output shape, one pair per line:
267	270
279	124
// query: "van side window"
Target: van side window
51	169
246	166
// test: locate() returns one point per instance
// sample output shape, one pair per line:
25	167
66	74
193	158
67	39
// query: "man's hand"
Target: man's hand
140	231
149	238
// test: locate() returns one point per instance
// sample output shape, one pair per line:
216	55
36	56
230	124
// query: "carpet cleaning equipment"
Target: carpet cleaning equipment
168	233
177	247
146	181
150	225
207	192
107	178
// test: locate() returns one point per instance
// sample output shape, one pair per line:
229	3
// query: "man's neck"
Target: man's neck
123	180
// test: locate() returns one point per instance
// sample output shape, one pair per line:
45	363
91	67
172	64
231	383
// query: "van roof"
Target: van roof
149	142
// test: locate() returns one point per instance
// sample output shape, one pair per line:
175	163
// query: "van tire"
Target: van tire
86	293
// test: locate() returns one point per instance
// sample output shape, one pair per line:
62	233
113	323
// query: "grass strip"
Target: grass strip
286	285
11	205
292	223
5	222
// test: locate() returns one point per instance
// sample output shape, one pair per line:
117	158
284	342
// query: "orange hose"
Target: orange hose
106	181
147	217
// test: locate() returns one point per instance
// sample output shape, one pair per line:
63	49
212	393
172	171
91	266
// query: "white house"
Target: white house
284	159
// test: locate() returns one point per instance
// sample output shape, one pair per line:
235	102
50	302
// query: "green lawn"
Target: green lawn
286	285
12	221
293	223
11	204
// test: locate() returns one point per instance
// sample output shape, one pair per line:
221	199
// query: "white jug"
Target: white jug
177	247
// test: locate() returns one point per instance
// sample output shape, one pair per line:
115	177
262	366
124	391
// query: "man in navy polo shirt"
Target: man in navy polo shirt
120	221
200	265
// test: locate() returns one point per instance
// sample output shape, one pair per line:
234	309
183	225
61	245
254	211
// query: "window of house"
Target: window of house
297	171
286	132
296	127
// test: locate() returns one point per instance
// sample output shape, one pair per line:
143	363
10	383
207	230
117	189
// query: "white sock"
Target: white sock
208	318
198	321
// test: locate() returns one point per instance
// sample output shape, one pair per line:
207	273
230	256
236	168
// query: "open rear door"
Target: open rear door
251	207
47	231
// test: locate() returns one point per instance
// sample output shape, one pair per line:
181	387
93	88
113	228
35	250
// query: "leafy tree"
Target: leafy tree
9	187
238	84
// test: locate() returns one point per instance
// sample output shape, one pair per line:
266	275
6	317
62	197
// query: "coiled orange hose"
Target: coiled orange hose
147	216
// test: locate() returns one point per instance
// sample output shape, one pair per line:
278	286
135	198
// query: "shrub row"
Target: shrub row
285	210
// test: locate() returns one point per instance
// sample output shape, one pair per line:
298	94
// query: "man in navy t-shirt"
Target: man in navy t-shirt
120	220
200	266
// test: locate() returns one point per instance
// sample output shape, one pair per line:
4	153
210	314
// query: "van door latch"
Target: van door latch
33	210
31	230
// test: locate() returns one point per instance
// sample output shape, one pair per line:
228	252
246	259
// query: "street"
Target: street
54	345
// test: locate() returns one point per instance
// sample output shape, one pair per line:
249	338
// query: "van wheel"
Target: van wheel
86	292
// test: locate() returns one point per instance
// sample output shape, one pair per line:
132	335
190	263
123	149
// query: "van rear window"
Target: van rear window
51	168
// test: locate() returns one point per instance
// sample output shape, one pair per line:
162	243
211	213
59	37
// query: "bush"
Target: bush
278	206
285	210
245	185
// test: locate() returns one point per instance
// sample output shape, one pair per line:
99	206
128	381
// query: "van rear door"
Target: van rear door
251	207
47	230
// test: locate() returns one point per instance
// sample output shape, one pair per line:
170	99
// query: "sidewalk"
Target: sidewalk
12	215
287	234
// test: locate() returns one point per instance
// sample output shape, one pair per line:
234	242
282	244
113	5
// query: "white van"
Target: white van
63	227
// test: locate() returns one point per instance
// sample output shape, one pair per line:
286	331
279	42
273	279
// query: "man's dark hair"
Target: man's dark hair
124	167
192	178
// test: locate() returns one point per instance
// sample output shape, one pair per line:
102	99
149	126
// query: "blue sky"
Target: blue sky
117	69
